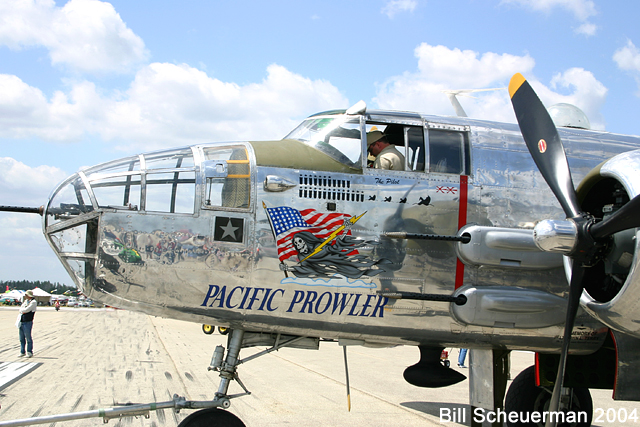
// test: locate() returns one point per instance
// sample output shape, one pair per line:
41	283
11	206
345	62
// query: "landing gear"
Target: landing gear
226	361
212	417
525	398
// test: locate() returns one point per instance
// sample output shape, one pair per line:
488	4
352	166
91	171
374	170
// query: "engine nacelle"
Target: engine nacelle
612	286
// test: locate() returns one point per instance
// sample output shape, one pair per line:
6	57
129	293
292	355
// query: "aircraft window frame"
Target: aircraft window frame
70	199
109	194
175	182
127	184
411	132
172	159
227	179
115	167
462	164
176	168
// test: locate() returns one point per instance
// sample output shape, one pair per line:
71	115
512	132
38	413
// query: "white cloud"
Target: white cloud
180	103
166	105
582	10
393	7
628	59
86	35
22	185
587	29
441	68
26	112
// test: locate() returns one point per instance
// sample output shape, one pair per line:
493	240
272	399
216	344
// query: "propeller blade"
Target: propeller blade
544	143
575	291
624	218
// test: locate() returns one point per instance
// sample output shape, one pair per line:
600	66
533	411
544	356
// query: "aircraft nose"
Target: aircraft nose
162	181
71	226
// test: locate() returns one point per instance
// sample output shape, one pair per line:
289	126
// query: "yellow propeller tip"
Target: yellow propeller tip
515	83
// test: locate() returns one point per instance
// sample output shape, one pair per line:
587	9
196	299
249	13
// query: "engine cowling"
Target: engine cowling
612	286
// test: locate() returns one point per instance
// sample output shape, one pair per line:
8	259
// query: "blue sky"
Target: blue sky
85	81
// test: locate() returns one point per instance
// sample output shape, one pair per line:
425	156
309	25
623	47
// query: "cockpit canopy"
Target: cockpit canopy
337	136
427	147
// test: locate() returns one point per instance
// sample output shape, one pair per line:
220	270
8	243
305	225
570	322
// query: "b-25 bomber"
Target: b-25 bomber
478	241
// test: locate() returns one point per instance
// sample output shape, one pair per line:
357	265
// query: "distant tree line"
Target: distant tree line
23	285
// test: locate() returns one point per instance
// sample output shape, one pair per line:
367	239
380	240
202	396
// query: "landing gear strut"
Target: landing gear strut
213	417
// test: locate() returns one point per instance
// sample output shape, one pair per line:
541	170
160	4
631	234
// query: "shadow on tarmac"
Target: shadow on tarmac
446	412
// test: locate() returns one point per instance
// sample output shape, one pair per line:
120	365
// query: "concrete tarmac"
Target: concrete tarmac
86	359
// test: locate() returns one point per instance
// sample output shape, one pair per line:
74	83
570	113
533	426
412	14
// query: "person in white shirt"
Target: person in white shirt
27	311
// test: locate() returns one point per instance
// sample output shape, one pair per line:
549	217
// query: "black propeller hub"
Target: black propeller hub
588	250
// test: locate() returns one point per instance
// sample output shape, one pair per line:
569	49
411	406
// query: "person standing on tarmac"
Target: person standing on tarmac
27	311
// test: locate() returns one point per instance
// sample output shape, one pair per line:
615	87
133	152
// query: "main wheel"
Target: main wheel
526	399
208	329
212	417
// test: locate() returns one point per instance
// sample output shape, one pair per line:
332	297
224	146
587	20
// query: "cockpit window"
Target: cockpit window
227	173
408	140
336	136
448	152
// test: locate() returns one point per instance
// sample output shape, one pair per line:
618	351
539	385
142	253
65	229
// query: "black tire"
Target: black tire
447	363
525	397
212	417
223	330
208	329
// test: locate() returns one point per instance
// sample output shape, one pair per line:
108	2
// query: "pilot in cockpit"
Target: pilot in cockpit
387	156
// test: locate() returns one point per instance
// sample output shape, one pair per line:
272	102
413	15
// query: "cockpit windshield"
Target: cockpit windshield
336	136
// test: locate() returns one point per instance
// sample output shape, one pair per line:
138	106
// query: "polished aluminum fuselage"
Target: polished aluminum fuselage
220	264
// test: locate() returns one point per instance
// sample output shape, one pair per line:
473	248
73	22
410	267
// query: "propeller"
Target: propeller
591	237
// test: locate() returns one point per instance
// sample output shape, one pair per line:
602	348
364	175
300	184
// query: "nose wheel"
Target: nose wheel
212	417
